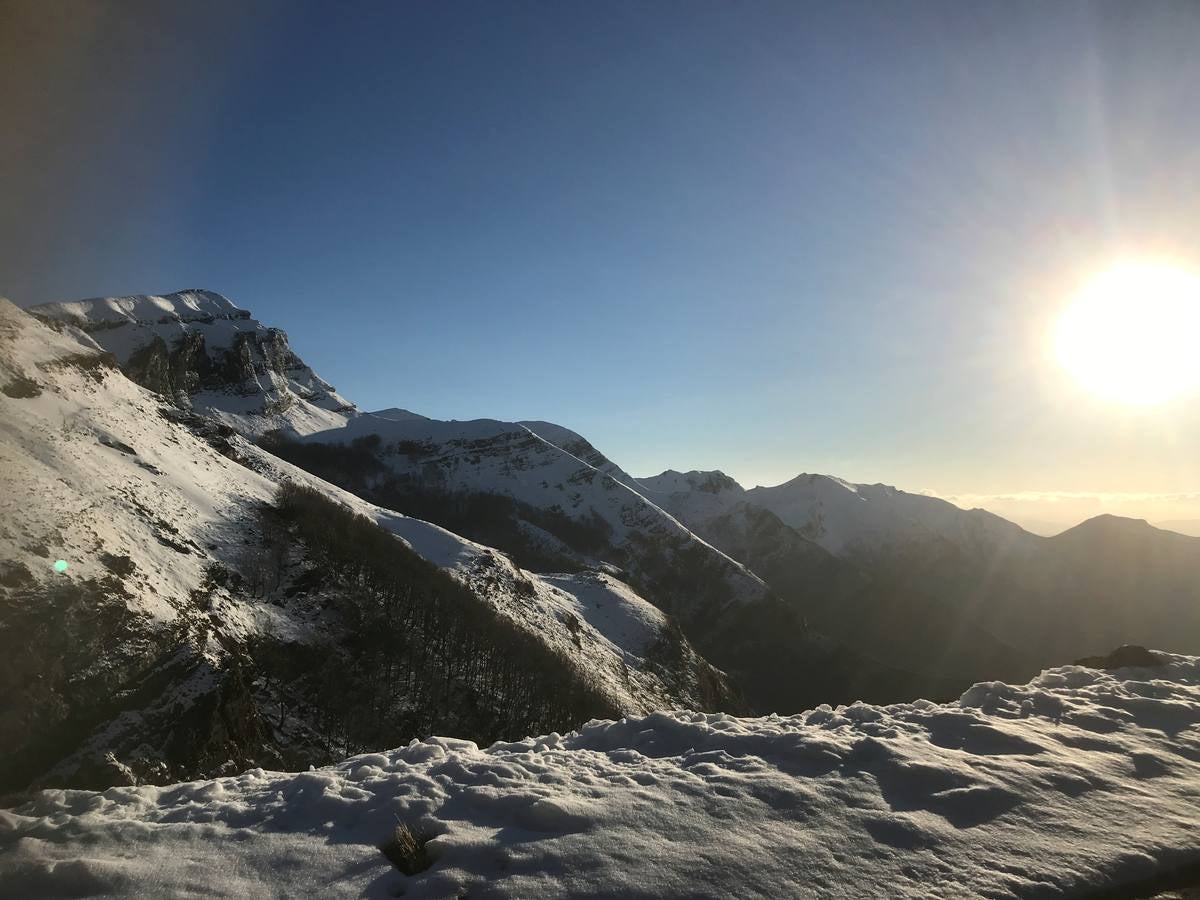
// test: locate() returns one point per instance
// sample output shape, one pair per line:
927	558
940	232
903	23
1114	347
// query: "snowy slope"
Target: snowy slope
511	459
101	473
492	455
1079	780
599	620
578	446
202	351
90	465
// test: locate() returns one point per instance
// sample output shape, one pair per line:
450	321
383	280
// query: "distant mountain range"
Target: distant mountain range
162	427
964	590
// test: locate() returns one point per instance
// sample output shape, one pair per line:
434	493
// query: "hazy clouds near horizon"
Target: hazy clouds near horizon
1050	512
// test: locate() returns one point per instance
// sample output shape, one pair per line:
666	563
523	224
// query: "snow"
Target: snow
577	445
612	608
1079	779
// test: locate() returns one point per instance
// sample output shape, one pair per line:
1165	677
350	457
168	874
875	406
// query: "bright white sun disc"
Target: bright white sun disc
1132	334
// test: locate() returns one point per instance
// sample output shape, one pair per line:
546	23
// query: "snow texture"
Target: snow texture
1077	780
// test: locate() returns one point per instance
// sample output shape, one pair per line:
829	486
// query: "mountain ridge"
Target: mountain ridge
188	607
882	572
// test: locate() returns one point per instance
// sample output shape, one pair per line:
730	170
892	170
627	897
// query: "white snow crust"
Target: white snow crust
1079	779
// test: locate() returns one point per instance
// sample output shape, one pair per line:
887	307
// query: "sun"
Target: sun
1132	333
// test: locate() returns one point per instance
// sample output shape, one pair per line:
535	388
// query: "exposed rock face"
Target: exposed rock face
202	352
1126	656
255	364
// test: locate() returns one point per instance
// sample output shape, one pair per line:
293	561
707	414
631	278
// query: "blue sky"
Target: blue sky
767	238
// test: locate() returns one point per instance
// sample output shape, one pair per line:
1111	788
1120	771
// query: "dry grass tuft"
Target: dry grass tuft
405	849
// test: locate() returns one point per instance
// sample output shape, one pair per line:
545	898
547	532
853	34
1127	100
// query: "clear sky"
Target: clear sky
762	237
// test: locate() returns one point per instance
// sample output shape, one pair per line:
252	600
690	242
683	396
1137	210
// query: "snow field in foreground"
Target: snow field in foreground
1080	779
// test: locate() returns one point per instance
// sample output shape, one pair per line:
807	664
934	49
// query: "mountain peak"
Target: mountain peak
710	482
199	349
1107	524
1110	520
813	479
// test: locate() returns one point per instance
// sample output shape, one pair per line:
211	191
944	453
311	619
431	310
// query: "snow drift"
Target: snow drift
1079	779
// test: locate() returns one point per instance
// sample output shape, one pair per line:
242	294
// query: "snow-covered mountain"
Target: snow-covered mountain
505	485
860	523
848	519
812	586
716	507
140	659
588	512
1084	782
851	521
199	349
537	491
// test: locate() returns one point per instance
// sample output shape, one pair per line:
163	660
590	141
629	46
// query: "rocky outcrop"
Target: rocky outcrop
257	363
1125	656
201	351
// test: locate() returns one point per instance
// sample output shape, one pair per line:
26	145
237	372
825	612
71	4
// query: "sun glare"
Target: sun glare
1132	333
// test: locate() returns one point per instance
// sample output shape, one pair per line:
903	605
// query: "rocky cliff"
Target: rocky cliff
203	352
